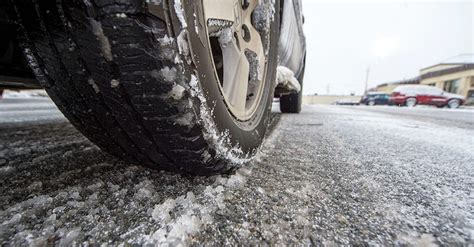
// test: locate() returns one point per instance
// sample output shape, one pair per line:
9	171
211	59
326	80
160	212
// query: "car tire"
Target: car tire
371	103
454	103
156	102
291	103
410	102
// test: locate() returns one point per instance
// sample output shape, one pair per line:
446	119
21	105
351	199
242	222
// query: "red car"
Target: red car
411	95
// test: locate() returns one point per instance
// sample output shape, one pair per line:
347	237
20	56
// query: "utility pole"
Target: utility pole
367	80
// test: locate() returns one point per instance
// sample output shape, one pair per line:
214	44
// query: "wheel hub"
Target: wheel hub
238	52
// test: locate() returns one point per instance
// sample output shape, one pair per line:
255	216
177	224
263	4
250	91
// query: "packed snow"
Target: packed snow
23	94
286	78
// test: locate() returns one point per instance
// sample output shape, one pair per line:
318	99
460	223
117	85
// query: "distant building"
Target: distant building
455	75
388	87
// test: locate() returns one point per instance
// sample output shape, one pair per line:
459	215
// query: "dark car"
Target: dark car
375	98
411	95
181	85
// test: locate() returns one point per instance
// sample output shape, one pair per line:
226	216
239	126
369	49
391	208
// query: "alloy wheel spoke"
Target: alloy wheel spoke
236	74
221	9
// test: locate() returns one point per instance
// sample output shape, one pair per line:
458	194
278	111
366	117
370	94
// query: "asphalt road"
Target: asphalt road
330	175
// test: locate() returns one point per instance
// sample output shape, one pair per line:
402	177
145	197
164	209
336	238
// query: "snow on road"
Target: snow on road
17	110
330	175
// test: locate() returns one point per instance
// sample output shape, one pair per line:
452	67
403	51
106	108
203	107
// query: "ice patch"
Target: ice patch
112	187
143	193
161	212
177	92
168	74
225	36
96	186
157	2
303	192
166	40
178	8
167	49
24	94
6	170
34	65
256	71
91	82
179	230
104	41
114	83
35	186
220	142
13	220
196	26
70	237
236	181
145	189
182	218
261	190
183	46
185	120
416	239
263	16
121	15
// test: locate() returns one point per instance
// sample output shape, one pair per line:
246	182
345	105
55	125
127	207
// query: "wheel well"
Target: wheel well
14	70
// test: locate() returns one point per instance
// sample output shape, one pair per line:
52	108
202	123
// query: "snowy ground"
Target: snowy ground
330	175
28	110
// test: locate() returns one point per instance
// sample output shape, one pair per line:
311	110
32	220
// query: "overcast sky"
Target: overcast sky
394	38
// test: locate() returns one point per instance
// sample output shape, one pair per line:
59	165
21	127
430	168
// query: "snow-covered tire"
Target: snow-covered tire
291	103
137	78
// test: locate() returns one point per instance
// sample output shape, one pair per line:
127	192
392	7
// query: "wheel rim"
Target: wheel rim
453	104
371	103
239	51
411	102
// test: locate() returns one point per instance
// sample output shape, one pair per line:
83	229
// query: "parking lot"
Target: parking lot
330	175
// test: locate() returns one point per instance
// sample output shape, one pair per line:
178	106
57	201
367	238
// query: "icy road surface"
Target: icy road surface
21	110
330	175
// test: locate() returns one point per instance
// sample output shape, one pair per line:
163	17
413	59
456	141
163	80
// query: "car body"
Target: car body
292	47
375	98
410	95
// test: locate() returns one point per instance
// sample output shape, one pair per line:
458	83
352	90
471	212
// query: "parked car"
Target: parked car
375	98
181	85
411	95
346	102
